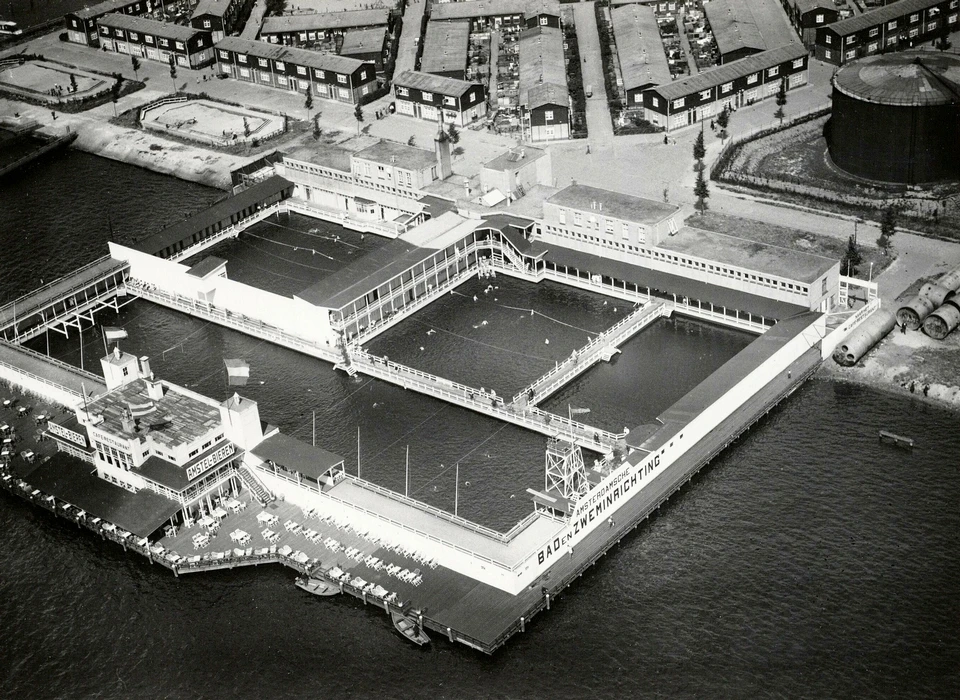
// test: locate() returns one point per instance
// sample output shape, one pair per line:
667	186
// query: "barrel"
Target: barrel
935	293
951	280
864	337
914	311
942	322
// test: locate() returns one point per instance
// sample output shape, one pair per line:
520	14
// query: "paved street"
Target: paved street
599	125
412	17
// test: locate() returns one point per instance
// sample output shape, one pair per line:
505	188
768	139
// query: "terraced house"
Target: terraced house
220	17
434	97
297	70
157	41
902	25
82	24
736	84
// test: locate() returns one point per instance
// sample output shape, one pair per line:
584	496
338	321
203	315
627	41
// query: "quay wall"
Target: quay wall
291	315
166	157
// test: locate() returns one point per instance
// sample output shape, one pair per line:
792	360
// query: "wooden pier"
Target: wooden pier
898	440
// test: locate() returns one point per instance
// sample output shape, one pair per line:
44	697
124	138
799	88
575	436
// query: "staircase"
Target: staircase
256	486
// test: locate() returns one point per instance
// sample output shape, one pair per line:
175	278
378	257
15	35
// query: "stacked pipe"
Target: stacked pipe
864	337
940	323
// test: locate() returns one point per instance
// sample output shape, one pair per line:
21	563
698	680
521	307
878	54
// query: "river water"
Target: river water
807	561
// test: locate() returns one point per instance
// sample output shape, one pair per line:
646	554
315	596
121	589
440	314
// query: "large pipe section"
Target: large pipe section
915	311
951	280
864	337
936	293
943	321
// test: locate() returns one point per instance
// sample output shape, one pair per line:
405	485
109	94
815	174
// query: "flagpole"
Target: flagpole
358	451
80	334
314	428
456	491
406	482
106	350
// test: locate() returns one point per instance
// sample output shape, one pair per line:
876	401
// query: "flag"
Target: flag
238	372
141	409
577	411
112	333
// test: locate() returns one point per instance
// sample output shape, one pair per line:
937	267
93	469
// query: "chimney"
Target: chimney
145	367
154	388
127	423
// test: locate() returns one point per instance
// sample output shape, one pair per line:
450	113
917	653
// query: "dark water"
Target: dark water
27	13
807	561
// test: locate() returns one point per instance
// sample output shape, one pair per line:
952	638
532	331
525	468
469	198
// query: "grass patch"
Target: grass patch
795	239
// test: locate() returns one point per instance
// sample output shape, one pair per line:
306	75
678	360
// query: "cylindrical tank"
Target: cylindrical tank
864	337
942	322
951	280
935	293
894	117
914	311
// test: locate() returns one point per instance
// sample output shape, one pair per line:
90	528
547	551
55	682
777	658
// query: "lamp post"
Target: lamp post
870	279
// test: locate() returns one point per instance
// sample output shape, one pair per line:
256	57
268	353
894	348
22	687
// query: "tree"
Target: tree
723	119
246	128
943	43
173	72
851	258
888	227
457	152
701	192
412	141
73	83
453	134
316	128
699	150
135	62
781	99
358	115
309	101
115	91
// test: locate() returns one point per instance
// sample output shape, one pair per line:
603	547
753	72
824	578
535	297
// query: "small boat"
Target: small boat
8	27
316	586
409	628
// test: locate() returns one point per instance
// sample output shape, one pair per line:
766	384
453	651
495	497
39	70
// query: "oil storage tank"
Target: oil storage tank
895	117
864	337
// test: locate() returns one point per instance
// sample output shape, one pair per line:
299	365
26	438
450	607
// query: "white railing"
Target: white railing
590	353
344	219
231	231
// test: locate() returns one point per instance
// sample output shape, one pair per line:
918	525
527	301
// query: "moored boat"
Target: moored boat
316	586
9	27
409	628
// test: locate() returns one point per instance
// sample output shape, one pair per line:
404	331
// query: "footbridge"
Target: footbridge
66	302
601	349
484	402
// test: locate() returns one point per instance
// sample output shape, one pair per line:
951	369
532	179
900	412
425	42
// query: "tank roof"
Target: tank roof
908	79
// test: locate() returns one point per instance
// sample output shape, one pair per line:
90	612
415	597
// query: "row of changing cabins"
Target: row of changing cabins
935	309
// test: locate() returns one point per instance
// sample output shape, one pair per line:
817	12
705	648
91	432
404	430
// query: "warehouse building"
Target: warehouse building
445	49
544	98
736	84
895	27
221	17
157	41
433	97
82	24
643	63
297	70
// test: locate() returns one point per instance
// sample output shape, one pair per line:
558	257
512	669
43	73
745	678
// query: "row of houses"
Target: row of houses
296	30
446	48
217	17
544	99
157	41
737	84
438	98
902	25
643	63
484	15
742	28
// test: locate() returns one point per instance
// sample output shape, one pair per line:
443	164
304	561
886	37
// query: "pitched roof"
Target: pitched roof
733	26
854	24
445	47
493	8
639	46
543	77
102	8
217	8
325	20
299	57
730	71
363	40
432	83
166	30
